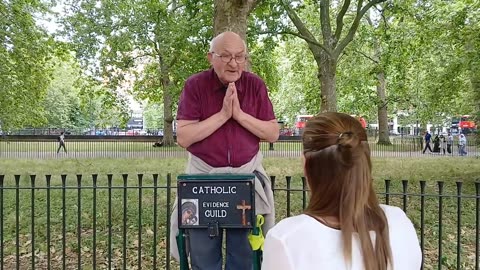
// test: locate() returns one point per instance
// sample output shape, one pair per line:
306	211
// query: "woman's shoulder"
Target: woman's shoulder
397	218
290	225
393	211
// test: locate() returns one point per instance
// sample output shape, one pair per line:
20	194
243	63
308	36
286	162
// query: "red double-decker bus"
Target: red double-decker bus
463	124
300	122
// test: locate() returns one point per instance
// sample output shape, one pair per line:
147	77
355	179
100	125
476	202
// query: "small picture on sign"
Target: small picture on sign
189	211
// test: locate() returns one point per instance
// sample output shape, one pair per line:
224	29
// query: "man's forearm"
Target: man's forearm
190	133
265	130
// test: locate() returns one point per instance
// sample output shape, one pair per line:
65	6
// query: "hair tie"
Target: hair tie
344	133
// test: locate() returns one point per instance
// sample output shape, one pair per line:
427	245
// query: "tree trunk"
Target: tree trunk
327	67
475	80
167	103
167	113
232	15
383	137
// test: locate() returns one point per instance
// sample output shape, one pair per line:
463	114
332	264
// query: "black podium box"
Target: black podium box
226	200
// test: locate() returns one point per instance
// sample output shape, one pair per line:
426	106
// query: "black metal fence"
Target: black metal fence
144	147
121	221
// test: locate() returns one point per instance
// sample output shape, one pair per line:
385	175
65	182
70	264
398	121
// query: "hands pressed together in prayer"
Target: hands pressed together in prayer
231	104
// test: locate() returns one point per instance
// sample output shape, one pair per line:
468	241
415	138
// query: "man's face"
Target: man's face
225	57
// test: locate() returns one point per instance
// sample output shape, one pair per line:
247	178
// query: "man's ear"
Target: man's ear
210	57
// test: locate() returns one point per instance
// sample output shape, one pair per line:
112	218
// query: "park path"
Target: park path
473	152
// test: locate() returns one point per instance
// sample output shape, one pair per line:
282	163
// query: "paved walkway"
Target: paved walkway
183	154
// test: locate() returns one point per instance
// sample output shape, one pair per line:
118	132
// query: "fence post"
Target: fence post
139	254
459	223
79	221
1	221
94	221
387	191
32	225
422	218
109	256
169	195
440	221
289	180
477	219
124	246
155	183
270	147
404	185
64	222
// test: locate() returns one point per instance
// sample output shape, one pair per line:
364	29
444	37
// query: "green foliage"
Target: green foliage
153	115
25	50
298	89
428	51
146	49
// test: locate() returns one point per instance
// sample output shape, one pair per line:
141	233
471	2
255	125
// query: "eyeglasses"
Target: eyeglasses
239	59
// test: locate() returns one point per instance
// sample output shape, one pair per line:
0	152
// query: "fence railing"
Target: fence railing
121	221
144	147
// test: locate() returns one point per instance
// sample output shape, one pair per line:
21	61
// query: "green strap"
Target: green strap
182	251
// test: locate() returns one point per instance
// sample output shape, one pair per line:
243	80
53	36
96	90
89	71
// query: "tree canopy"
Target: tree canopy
377	58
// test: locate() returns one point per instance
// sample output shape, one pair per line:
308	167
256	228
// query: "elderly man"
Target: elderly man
223	113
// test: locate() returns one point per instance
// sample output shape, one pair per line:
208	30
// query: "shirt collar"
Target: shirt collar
219	86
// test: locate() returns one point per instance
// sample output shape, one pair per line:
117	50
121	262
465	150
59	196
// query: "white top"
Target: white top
462	140
303	243
450	139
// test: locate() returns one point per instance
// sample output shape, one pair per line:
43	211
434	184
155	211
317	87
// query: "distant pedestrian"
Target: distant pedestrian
443	143
436	144
61	142
158	143
427	138
462	144
449	143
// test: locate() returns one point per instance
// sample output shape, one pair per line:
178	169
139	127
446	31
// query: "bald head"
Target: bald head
228	37
225	49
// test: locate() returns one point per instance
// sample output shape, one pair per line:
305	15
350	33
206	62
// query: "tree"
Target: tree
439	80
157	43
153	113
25	49
296	93
232	15
333	41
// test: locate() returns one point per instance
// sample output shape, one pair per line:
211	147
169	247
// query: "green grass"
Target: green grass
84	146
430	169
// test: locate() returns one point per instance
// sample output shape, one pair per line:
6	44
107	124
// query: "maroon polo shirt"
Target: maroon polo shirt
230	145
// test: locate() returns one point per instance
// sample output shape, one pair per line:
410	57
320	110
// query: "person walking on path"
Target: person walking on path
443	143
61	142
450	143
427	138
462	144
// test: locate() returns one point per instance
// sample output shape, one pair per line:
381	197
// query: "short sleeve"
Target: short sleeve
265	110
406	250
275	254
189	103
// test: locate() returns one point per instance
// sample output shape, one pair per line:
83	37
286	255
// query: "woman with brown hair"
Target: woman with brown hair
344	226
